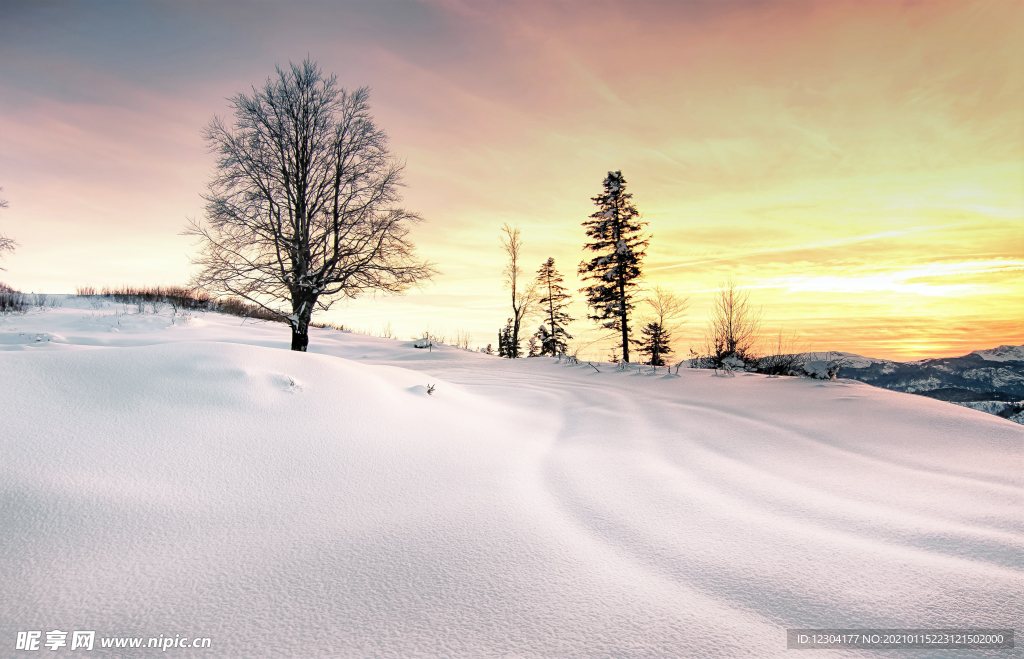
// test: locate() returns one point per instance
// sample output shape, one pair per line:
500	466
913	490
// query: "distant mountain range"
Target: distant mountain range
988	380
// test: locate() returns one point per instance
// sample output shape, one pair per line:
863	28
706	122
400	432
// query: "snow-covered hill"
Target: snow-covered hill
195	477
1002	354
992	380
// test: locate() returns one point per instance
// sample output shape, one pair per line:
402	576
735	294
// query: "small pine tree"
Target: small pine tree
533	346
656	343
543	337
615	271
554	299
489	350
507	345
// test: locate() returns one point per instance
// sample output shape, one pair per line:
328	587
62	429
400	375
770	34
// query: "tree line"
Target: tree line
612	276
304	209
613	289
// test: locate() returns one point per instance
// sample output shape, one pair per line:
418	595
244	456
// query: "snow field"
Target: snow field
199	478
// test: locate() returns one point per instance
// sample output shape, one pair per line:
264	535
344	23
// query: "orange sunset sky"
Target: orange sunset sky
858	165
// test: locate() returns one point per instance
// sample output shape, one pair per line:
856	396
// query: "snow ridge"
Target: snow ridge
201	478
1002	353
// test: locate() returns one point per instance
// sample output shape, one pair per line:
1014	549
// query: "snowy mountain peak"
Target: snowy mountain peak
848	359
1002	354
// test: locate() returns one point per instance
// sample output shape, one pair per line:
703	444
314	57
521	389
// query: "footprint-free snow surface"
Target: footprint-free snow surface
193	477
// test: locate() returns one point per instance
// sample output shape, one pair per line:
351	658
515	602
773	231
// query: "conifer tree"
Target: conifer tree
544	337
508	346
656	343
668	312
553	337
616	269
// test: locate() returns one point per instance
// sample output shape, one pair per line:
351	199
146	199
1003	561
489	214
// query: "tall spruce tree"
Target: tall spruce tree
554	339
619	242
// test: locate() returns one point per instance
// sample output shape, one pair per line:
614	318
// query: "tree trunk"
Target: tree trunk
623	318
300	336
551	319
302	313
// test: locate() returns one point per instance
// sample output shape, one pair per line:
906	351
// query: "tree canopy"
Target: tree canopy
303	207
617	238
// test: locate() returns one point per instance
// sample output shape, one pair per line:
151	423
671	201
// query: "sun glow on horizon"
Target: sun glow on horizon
859	166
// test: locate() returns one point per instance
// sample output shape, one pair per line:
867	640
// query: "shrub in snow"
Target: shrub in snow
727	364
12	301
699	360
784	359
821	369
727	369
733	328
424	342
734	363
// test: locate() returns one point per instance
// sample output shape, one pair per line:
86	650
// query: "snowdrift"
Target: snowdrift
197	478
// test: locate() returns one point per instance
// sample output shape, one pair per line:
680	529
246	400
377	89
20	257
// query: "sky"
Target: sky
858	166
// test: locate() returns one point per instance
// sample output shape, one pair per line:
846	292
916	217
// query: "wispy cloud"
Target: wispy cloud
857	162
926	279
817	245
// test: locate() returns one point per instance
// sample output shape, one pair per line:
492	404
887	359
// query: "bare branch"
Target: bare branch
303	207
524	300
734	327
6	244
669	309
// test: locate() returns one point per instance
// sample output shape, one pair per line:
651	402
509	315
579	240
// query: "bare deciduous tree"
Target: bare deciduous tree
303	206
524	300
462	339
668	310
734	325
6	244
